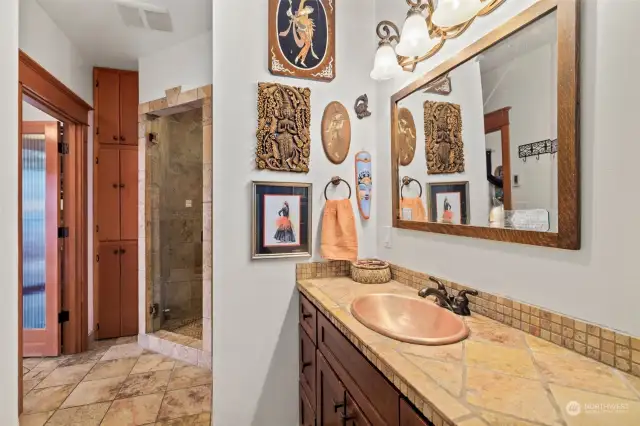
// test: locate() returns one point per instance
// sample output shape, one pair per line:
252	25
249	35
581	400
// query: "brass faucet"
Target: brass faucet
457	304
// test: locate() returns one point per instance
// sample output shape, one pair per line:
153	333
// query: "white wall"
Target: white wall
31	113
43	41
9	213
187	64
467	93
599	283
255	349
528	84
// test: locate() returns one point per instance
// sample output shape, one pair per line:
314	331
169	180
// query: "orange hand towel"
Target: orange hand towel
339	238
418	213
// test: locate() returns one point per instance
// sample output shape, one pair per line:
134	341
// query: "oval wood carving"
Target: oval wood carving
406	137
336	132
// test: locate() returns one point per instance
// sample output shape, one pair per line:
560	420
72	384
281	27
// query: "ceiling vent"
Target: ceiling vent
139	14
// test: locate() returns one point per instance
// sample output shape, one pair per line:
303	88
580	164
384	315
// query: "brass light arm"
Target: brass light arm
388	32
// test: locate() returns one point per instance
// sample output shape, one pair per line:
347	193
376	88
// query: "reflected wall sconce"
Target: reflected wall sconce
424	32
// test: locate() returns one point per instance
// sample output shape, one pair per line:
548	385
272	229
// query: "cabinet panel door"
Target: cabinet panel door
129	288
409	417
108	195
330	395
128	194
307	365
109	291
108	106
354	415
307	415
129	108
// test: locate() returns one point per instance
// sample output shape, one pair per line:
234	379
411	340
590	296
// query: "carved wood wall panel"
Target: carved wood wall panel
336	132
406	134
443	134
284	121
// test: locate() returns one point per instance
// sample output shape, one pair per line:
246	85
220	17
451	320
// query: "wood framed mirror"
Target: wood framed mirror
501	148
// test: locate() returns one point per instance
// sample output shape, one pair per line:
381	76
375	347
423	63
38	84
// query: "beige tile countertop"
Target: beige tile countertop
498	376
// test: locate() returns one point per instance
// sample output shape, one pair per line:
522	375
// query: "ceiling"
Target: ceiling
97	29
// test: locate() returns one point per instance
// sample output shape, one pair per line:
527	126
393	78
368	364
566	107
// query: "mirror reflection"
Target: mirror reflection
478	145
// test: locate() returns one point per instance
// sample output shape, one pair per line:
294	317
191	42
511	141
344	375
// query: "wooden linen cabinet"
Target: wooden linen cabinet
116	203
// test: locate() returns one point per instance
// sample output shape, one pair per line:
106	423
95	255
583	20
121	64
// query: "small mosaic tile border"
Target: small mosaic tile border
615	349
612	348
426	408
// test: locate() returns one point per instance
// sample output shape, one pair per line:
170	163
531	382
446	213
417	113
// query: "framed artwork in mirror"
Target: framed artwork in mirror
448	203
443	133
336	132
406	136
302	39
281	225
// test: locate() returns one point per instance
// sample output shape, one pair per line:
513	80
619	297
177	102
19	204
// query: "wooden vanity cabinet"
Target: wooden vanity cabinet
348	390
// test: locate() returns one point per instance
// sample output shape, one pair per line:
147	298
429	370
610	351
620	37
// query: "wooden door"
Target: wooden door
129	288
307	415
128	194
129	107
40	257
108	215
107	103
330	395
109	294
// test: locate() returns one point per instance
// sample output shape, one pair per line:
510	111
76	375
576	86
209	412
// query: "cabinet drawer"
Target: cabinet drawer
308	366
376	397
409	417
354	415
307	413
308	314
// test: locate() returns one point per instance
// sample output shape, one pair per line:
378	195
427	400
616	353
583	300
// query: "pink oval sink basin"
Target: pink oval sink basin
408	319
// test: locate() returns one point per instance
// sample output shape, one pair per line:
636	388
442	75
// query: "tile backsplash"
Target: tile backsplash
601	344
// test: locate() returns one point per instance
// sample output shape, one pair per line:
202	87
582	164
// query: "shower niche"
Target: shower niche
176	179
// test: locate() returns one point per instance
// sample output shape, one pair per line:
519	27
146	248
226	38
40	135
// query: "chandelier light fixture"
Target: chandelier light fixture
424	32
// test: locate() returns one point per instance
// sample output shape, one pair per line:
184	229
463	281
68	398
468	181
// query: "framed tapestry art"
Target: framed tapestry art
281	225
302	38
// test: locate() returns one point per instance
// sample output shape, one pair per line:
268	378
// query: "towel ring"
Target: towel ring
405	182
336	181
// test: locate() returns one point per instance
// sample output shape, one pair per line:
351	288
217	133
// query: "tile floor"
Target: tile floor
117	383
190	327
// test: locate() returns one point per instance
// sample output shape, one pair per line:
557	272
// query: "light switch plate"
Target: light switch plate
386	232
188	203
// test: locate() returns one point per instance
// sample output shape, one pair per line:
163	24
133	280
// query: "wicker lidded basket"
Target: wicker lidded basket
370	271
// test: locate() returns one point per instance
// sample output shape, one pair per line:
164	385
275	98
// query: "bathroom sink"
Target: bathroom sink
409	320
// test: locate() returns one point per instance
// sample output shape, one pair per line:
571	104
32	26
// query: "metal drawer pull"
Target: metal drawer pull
306	316
306	364
337	406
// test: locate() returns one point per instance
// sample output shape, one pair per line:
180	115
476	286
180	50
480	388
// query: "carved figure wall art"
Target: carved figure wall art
406	137
443	133
365	183
302	38
362	107
284	120
336	132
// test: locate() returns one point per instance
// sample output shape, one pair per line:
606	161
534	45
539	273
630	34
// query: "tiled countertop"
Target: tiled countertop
498	376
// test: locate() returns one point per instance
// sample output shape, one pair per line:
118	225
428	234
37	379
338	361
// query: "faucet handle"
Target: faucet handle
441	286
461	302
463	293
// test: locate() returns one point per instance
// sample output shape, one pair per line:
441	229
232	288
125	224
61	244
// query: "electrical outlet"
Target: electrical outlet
188	204
387	236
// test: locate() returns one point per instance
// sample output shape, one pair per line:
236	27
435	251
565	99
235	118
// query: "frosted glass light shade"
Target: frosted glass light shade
455	12
385	65
415	40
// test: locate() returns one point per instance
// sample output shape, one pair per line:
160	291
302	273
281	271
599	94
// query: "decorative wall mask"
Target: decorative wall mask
302	38
441	86
443	132
284	119
362	106
336	132
406	137
365	183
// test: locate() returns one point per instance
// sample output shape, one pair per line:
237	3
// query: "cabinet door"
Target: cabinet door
128	194
108	106
330	395
307	365
128	107
354	415
129	288
109	291
307	415
409	417
108	195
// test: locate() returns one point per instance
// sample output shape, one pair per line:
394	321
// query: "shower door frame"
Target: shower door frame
41	89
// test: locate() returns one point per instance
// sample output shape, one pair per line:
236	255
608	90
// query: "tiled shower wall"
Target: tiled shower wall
175	163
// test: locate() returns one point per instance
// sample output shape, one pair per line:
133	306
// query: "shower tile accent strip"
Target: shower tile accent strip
608	346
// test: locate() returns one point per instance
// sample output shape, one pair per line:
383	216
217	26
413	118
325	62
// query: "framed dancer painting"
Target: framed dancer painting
281	225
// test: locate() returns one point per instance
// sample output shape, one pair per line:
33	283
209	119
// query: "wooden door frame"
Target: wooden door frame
498	121
42	90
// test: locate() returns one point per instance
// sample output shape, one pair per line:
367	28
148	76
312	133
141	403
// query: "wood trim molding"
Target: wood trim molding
47	90
498	121
568	236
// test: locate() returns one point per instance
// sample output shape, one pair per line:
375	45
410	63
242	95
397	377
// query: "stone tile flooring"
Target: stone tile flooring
117	383
190	327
